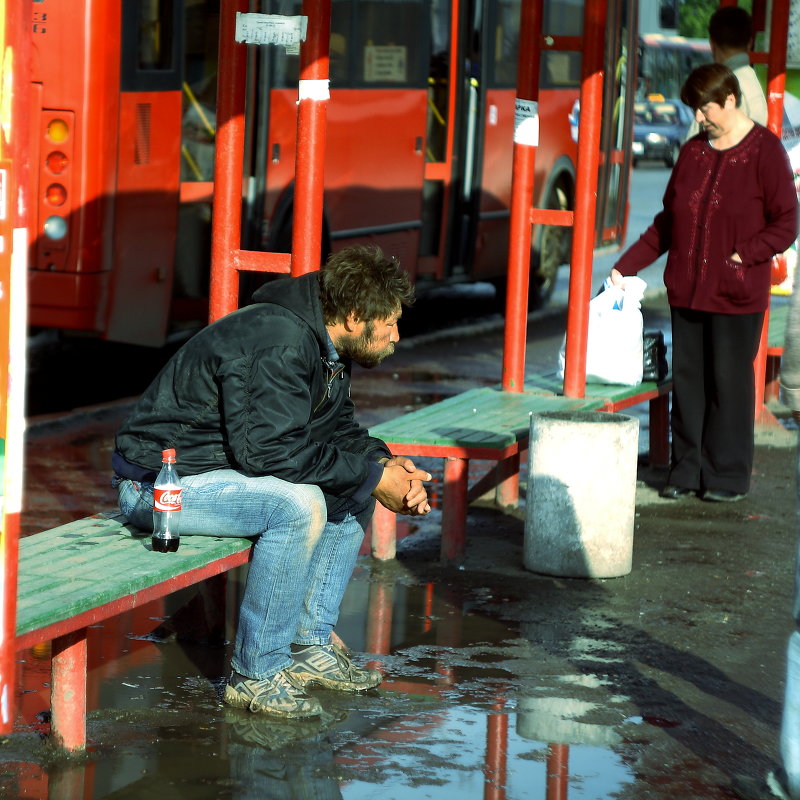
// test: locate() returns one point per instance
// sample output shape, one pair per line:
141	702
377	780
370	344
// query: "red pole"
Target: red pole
580	276
379	619
776	81
310	159
68	690
496	767
15	137
454	508
557	771
526	140
226	223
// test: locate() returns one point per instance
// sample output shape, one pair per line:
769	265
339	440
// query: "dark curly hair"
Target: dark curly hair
710	83
363	282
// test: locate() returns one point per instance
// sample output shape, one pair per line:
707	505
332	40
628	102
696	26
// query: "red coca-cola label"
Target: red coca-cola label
167	499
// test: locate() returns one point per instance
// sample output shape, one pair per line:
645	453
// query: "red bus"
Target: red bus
665	61
418	159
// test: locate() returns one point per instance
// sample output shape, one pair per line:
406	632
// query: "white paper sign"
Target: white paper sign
385	64
270	29
526	122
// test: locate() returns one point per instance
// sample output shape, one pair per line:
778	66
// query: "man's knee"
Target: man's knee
304	504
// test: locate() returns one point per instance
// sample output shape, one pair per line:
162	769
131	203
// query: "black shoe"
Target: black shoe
722	496
675	492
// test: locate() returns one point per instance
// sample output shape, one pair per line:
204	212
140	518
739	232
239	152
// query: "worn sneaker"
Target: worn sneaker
330	666
773	785
281	695
272	733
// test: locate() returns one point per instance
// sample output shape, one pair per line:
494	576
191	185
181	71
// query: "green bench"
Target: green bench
84	572
776	334
487	423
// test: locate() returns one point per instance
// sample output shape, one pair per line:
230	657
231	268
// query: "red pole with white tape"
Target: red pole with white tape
14	203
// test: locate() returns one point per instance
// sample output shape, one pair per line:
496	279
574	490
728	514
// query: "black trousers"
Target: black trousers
713	399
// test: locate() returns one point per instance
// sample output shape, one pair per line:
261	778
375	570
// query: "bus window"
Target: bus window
151	41
438	82
388	39
155	35
286	67
199	90
561	69
503	69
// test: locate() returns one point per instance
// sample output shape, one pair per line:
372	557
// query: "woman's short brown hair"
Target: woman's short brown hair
710	83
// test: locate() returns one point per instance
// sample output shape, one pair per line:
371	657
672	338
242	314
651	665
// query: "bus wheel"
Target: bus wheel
549	253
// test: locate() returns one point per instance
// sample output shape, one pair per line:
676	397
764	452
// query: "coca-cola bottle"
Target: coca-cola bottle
167	506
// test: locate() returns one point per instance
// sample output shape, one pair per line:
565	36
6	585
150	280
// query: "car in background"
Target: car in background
659	130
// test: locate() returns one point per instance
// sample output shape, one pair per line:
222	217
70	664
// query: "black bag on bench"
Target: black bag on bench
654	356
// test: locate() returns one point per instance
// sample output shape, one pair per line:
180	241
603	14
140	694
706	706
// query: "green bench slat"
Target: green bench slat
550	382
776	334
500	418
88	563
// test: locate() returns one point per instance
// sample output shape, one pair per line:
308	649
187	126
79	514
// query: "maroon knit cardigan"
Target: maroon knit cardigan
719	202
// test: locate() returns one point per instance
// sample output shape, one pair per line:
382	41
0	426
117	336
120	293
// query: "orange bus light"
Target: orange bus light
57	130
55	228
56	194
56	162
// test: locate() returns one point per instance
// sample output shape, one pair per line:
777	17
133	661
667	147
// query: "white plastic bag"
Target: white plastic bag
614	346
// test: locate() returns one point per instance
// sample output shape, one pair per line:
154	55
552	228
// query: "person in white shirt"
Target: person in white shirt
730	34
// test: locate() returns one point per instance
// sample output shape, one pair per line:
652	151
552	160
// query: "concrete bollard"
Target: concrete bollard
581	493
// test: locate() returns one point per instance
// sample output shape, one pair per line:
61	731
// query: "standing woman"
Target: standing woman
729	206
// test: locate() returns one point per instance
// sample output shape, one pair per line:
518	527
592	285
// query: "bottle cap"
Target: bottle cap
168	455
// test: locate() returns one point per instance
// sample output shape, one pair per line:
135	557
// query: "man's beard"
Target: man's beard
362	348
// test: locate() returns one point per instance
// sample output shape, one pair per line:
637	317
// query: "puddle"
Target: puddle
461	711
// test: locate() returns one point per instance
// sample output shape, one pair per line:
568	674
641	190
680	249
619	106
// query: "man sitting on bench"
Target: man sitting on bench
258	409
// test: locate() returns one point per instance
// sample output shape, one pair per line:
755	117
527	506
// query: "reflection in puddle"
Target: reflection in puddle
465	708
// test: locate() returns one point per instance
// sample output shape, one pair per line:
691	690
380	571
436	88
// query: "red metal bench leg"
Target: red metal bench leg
454	508
659	431
557	770
495	768
68	691
772	389
379	620
507	493
384	533
68	783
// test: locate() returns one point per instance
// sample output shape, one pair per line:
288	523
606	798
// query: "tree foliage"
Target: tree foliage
693	16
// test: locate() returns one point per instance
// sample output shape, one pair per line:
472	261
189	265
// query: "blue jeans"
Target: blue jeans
307	547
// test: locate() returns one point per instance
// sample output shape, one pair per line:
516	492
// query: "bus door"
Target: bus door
375	137
148	171
489	151
470	130
556	152
450	123
618	100
199	130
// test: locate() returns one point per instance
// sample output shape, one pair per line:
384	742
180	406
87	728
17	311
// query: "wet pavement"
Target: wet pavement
500	683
